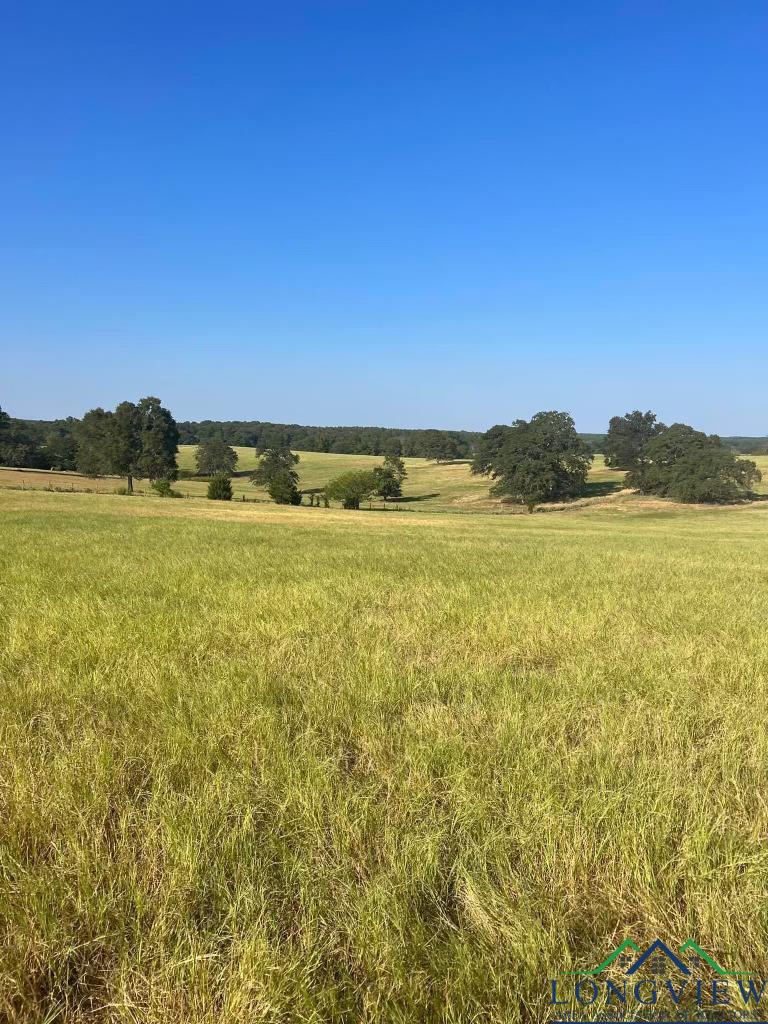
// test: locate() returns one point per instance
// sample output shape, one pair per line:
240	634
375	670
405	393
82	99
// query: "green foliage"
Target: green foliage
61	449
336	440
282	488
220	488
93	438
353	487
215	456
395	466
387	484
134	440
274	461
488	448
628	437
691	466
164	489
17	446
159	441
543	459
440	446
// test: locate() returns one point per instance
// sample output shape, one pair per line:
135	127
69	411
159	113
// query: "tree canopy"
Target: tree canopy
273	461
488	448
628	437
215	456
542	459
282	488
220	487
440	445
135	440
691	466
353	487
389	477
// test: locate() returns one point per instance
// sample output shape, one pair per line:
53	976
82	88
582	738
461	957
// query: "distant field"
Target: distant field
266	764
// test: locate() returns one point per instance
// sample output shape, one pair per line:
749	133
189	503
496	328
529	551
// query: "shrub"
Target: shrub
164	489
220	488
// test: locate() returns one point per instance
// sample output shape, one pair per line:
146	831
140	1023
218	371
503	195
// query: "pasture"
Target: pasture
273	764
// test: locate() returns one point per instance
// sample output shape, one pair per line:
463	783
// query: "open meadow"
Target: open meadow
274	764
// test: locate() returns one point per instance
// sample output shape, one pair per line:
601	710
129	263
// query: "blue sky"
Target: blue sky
398	213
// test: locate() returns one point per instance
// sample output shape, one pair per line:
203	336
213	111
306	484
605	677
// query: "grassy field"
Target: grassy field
267	764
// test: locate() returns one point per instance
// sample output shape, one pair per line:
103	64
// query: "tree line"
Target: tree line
52	444
439	445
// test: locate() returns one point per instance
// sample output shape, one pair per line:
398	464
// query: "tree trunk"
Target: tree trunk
130	484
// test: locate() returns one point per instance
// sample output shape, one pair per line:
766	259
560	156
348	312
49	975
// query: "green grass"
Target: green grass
273	764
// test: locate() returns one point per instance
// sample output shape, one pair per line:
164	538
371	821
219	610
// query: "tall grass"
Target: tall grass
295	765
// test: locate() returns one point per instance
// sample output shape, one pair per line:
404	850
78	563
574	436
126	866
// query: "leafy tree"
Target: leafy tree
487	449
628	437
135	440
93	438
395	466
389	477
353	487
215	456
159	441
387	485
282	488
123	444
691	466
543	459
220	488
273	461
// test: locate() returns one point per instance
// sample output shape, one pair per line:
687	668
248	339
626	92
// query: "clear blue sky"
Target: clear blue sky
421	213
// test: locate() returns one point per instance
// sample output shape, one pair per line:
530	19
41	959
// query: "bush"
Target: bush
164	489
282	488
351	488
220	488
123	491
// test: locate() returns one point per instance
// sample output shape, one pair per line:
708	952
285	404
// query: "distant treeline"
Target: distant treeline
444	444
47	444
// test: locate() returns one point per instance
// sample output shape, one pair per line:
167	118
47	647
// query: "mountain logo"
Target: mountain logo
629	955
